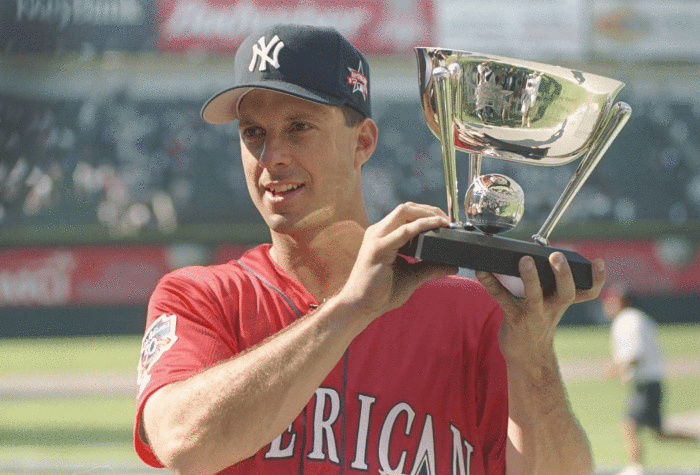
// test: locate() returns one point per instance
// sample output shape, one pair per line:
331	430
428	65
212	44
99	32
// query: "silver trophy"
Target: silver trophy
525	112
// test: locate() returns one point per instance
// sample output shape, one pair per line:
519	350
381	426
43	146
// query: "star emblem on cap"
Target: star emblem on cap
358	80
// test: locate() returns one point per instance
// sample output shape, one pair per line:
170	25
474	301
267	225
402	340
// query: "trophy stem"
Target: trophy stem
474	166
609	129
445	115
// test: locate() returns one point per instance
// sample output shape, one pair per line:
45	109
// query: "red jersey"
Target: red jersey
422	390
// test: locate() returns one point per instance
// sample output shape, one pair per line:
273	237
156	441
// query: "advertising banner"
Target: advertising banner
373	26
73	276
646	29
647	267
535	29
127	274
72	25
96	275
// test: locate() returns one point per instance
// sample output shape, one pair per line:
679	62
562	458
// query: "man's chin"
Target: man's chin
294	225
285	224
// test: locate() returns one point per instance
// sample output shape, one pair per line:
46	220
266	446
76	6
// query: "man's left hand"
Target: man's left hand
529	323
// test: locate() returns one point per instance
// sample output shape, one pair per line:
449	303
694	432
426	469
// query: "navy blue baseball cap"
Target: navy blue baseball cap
314	63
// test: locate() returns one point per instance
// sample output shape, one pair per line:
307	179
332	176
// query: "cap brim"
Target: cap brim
223	106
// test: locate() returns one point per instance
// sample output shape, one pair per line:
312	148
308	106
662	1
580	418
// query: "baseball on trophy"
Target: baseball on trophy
494	203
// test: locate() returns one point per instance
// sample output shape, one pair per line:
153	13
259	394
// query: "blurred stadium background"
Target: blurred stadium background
109	178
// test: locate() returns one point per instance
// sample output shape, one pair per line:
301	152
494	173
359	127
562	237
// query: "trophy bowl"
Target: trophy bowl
521	111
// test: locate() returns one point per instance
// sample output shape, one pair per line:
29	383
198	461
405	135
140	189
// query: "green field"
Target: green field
87	433
69	354
600	404
95	432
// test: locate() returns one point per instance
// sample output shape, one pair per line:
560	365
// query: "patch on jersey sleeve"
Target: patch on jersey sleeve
158	339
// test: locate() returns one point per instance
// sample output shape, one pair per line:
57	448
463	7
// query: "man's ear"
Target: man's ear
367	135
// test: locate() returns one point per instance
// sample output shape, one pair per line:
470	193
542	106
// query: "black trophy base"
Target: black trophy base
499	255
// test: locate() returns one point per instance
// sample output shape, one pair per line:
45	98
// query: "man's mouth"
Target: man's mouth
279	190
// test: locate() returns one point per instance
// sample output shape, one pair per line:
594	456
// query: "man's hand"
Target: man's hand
379	281
529	323
227	412
543	434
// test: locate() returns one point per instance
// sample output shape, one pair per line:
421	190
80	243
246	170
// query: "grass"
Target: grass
97	430
593	341
66	429
600	405
69	354
88	432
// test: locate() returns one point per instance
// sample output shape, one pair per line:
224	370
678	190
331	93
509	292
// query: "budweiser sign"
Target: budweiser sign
223	24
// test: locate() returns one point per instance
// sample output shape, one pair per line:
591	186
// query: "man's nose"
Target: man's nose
273	154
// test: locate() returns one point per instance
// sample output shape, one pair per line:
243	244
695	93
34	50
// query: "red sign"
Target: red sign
373	26
96	275
646	266
69	276
127	275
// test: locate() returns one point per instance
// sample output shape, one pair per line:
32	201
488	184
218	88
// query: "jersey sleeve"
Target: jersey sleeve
185	334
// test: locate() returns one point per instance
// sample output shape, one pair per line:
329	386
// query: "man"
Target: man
638	359
325	351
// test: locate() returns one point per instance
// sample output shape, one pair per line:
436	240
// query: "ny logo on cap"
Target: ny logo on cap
262	51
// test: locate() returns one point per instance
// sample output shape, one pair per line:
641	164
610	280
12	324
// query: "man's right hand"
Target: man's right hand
380	281
227	412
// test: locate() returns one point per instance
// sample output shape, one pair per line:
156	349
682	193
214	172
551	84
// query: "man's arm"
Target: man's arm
229	411
618	369
544	436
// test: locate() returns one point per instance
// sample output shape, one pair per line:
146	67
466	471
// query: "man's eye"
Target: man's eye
299	126
252	132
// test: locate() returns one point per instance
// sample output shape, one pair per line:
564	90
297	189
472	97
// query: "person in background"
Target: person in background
637	359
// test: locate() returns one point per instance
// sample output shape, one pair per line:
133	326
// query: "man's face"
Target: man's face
612	304
300	161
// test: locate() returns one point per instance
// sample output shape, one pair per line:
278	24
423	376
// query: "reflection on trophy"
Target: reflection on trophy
520	111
